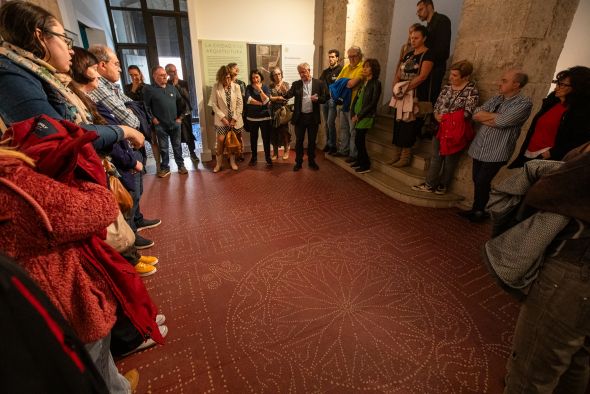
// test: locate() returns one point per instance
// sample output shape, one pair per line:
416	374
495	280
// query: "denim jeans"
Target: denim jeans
330	110
346	145
549	347
100	353
174	134
442	168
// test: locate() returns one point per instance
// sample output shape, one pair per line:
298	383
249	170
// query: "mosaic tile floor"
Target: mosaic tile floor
277	281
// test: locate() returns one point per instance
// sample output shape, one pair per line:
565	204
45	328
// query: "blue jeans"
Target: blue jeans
100	353
346	145
550	340
174	134
438	163
330	110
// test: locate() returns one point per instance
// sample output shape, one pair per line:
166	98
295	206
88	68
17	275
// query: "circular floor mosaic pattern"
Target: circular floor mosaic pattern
360	320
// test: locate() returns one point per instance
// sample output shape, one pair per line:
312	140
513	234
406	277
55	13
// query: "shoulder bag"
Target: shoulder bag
121	194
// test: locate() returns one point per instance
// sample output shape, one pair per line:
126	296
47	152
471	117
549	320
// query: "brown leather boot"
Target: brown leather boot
396	153
404	159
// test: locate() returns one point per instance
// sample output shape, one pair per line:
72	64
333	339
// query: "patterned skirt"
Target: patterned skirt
222	130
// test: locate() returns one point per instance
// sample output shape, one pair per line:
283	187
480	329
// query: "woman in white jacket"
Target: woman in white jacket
226	101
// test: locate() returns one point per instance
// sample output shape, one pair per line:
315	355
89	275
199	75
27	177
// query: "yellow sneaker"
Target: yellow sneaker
150	260
144	269
132	377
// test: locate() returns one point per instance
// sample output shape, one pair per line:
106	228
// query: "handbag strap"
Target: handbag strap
458	94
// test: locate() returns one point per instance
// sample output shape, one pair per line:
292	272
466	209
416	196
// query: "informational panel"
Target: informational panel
219	53
294	55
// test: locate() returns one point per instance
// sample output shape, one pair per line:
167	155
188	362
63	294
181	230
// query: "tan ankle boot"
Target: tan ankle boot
232	162
404	159
218	158
396	153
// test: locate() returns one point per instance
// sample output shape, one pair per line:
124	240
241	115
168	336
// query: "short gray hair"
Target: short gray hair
101	52
303	65
357	50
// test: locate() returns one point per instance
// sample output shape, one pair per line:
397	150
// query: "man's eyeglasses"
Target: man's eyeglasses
69	42
561	84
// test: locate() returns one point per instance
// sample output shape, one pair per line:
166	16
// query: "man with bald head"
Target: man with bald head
166	105
501	119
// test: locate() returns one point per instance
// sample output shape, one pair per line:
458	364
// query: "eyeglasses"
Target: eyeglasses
69	42
561	84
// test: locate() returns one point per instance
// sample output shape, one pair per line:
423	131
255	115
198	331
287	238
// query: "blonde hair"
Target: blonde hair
10	152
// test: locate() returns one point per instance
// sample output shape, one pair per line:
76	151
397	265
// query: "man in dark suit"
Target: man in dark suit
309	93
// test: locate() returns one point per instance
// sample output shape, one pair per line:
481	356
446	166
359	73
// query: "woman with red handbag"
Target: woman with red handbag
452	110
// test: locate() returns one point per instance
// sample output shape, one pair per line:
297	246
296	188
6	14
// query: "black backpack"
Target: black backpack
40	352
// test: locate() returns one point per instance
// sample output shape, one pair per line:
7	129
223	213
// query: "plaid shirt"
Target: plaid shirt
111	96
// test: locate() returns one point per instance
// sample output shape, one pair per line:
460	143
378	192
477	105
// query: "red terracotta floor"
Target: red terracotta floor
275	281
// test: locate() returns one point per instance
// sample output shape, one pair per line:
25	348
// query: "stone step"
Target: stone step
397	189
375	147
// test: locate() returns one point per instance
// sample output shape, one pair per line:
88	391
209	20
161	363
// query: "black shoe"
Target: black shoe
465	214
326	148
252	163
194	158
478	216
268	163
332	152
362	170
314	166
142	243
148	223
296	167
350	159
355	164
338	154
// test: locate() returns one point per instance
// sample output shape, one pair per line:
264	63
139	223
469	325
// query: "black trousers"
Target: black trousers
483	173
265	129
305	123
361	145
124	335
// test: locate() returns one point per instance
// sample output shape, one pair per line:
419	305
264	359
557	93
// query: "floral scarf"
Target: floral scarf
46	72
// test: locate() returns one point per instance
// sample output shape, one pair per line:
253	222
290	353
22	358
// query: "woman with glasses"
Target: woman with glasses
35	57
280	132
226	101
561	124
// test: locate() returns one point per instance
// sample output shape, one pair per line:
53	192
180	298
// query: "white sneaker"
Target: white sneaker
160	320
150	342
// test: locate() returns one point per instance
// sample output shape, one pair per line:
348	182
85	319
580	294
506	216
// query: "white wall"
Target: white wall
254	21
89	12
576	50
404	15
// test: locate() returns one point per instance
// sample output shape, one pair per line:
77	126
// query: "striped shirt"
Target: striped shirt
496	144
112	97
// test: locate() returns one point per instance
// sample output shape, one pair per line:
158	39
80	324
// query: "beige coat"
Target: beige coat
219	104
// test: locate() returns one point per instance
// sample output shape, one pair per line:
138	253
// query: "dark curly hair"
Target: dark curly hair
375	67
580	82
18	23
256	71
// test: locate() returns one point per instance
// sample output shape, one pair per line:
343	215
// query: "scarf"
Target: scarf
48	74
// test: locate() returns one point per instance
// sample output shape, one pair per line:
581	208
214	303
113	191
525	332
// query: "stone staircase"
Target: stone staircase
397	182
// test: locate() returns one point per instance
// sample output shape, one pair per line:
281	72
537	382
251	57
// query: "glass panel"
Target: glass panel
161	5
136	57
188	62
129	27
125	3
167	41
183	6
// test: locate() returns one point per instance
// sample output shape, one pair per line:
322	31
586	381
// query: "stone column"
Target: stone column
495	35
368	26
334	29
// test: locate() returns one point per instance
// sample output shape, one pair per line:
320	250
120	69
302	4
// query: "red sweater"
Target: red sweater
43	224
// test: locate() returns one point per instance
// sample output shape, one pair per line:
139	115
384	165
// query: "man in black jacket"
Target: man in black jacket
438	42
309	93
